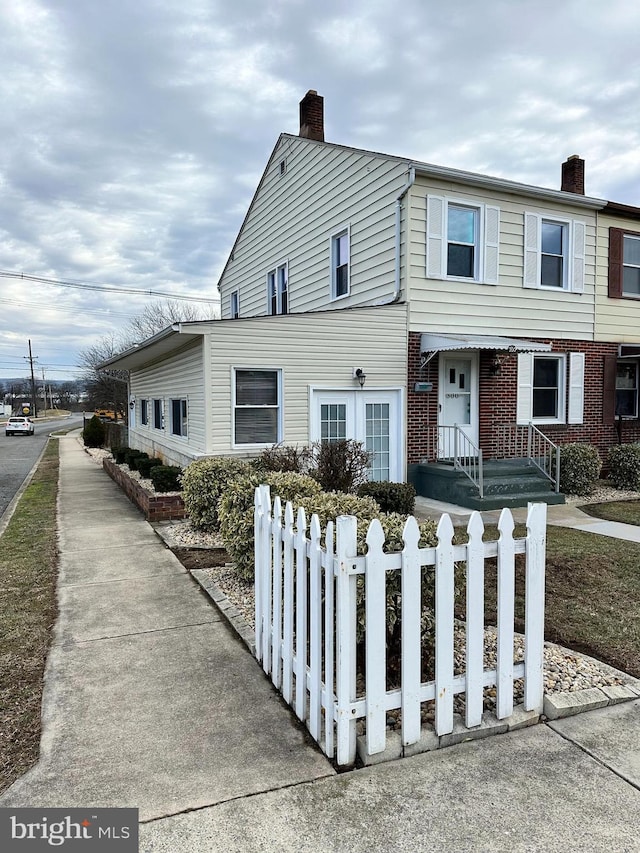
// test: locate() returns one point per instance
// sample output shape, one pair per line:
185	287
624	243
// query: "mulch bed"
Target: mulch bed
201	558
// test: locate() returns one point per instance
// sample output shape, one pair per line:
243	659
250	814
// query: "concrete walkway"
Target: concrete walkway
151	703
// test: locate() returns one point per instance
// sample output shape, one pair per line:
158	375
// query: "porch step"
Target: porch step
506	483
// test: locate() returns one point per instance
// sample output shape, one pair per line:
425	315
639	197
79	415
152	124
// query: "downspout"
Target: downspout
410	182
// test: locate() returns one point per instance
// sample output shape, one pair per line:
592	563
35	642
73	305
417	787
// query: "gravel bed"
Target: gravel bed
603	493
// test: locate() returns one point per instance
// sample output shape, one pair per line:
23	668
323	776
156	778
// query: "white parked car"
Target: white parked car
19	426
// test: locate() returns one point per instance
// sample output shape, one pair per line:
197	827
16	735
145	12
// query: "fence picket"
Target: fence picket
300	664
287	596
346	550
475	621
506	592
329	629
276	629
375	644
315	615
411	611
534	608
306	619
444	627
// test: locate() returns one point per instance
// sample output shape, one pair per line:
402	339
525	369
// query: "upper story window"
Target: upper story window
278	290
554	252
144	412
235	304
179	417
624	263
340	264
257	408
463	240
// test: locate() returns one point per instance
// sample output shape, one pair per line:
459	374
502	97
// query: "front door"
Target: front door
458	404
371	417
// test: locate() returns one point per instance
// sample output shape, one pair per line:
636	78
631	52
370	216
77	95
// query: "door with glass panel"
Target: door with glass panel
458	405
368	417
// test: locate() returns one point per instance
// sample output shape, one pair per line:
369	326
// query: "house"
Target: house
434	314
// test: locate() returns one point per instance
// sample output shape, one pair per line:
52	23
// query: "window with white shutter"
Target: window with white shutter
462	240
554	253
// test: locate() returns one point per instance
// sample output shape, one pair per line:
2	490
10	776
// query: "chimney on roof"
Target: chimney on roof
573	175
312	116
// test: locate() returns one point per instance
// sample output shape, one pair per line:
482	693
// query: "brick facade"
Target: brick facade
497	401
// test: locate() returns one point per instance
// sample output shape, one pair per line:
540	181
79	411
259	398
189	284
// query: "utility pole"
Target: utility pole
31	359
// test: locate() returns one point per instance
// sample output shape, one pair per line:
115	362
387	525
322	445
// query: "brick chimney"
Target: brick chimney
573	175
312	116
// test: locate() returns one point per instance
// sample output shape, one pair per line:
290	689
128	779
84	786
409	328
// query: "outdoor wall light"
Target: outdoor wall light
360	375
495	365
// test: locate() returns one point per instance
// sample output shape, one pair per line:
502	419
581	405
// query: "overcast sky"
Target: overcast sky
134	133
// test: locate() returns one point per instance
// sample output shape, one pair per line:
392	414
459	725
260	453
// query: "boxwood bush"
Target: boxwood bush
624	466
93	433
142	456
580	466
130	455
119	454
203	482
144	466
392	497
236	505
166	478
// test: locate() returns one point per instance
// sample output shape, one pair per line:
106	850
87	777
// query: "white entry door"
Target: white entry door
371	417
458	403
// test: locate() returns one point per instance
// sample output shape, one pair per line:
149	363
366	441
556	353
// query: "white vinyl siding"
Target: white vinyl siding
294	215
178	377
546	394
458	306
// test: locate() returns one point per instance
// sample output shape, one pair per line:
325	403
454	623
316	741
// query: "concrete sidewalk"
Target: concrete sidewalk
150	702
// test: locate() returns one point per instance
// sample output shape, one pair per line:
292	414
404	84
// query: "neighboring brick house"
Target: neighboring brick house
498	297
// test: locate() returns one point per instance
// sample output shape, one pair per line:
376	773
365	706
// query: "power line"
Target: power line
56	282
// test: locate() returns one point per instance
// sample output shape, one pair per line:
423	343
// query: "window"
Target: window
554	253
144	412
551	388
463	240
553	264
278	290
179	417
257	407
624	263
333	421
627	389
158	414
235	304
340	264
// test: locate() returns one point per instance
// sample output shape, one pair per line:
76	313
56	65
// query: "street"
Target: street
19	452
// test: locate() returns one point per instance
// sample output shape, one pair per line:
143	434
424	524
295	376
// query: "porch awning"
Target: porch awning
431	343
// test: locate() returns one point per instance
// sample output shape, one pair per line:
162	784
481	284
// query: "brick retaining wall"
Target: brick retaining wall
155	507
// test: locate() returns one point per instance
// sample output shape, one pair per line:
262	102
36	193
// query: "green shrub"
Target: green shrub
236	505
339	466
135	460
144	466
166	478
130	455
202	484
580	466
624	466
93	433
392	497
119	454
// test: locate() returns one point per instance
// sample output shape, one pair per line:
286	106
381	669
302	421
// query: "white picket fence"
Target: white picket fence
306	622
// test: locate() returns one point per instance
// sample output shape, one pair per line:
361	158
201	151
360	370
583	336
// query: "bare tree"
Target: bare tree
159	315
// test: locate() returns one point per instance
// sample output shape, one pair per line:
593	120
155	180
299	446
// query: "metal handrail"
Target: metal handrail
527	441
452	443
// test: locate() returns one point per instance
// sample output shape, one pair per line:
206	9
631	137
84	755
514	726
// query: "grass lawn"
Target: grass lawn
28	571
626	511
592	601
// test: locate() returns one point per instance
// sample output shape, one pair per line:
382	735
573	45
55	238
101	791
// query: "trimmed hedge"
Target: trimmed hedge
135	460
236	506
166	478
624	466
93	433
392	497
144	466
580	466
203	482
119	454
130	455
